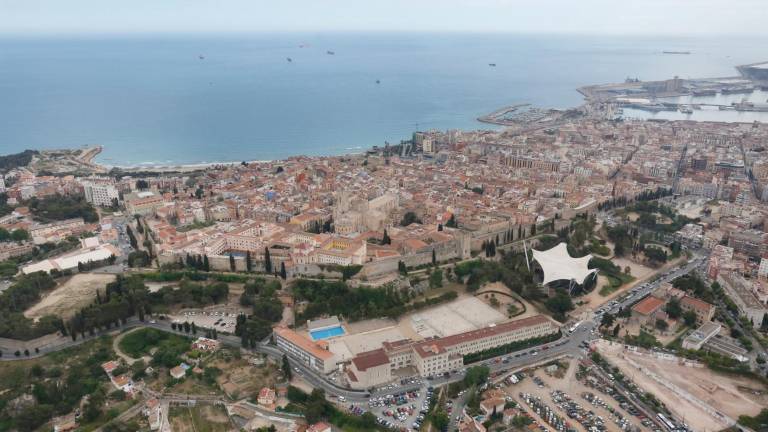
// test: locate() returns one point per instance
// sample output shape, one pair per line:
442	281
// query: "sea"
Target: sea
186	99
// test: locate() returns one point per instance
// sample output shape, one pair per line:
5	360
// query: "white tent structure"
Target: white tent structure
558	264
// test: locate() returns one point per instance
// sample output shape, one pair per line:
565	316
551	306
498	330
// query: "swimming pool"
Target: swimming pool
326	333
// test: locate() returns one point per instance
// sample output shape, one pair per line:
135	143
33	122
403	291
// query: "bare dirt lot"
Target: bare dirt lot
690	387
200	418
505	298
70	296
240	379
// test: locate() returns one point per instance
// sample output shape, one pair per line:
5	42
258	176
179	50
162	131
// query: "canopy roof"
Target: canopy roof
558	264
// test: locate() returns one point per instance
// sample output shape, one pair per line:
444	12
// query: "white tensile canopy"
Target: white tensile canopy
558	264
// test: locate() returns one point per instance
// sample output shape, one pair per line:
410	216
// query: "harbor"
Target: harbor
741	98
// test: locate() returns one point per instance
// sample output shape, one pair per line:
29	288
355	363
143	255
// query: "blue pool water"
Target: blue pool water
326	333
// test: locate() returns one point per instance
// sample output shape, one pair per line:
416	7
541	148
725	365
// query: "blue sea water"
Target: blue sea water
153	100
327	333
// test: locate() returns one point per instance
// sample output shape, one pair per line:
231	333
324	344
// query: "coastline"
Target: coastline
198	166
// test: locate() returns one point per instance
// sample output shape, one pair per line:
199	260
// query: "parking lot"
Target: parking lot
223	321
402	410
568	403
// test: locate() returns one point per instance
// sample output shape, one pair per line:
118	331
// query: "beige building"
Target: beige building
437	356
313	354
704	311
143	203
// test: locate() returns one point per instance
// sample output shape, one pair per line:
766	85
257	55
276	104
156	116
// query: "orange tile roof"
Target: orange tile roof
370	359
648	305
304	343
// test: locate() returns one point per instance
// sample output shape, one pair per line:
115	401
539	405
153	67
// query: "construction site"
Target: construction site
704	399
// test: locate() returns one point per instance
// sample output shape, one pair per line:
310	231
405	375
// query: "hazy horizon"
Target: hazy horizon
588	17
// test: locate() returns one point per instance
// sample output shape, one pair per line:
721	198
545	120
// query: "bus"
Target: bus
666	422
574	327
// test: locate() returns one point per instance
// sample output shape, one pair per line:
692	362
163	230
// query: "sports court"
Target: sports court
464	314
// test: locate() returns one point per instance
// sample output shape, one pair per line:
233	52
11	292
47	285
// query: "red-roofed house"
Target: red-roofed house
266	396
647	310
319	427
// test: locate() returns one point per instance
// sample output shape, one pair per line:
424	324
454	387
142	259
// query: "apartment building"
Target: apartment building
100	194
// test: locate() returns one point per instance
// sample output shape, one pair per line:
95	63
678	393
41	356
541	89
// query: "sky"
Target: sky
643	17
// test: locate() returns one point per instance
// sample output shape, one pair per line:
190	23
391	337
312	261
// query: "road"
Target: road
569	344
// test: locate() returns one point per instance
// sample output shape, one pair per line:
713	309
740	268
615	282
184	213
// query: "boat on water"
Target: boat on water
705	92
492	64
289	59
736	90
201	57
685	109
676	52
330	53
378	81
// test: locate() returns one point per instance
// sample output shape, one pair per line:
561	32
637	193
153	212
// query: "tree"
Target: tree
231	263
267	261
616	330
283	273
436	278
19	235
206	264
248	264
385	240
194	328
607	320
434	258
673	309
661	325
452	222
409	218
439	419
764	323
402	268
689	317
287	368
560	304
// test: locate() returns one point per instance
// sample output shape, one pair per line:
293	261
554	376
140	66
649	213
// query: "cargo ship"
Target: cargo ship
676	52
737	90
705	92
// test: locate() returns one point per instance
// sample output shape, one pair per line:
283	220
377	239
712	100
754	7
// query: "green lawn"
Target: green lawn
139	343
616	281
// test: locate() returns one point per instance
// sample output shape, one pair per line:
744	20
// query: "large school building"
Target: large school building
428	357
440	355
